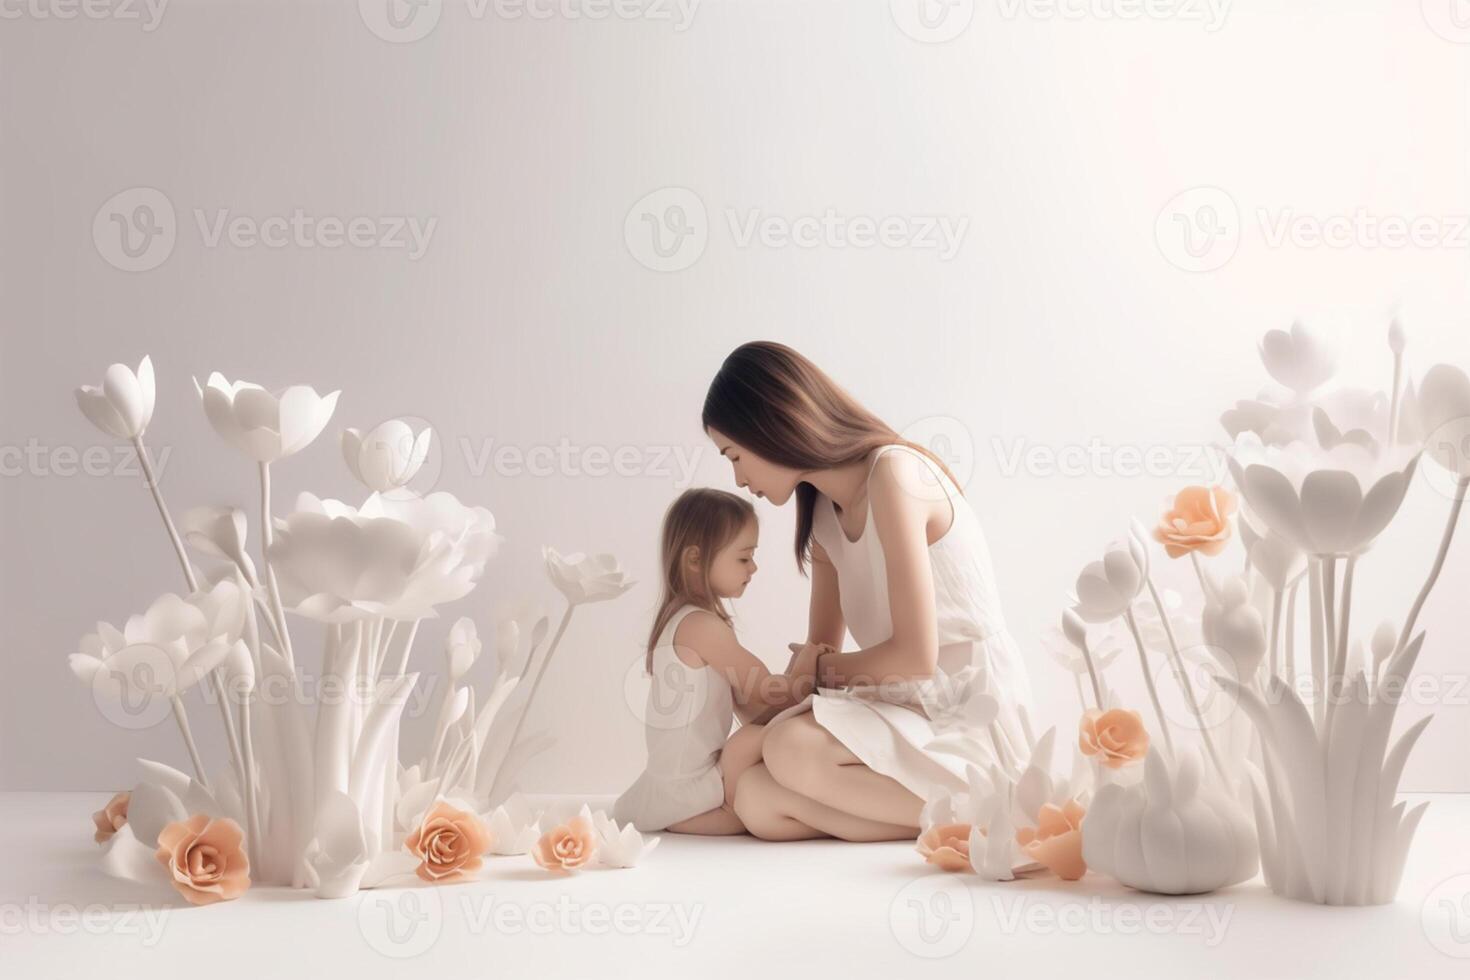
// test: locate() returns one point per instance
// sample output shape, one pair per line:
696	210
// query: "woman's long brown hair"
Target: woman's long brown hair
702	518
782	407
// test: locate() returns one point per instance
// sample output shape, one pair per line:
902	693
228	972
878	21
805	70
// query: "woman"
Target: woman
896	558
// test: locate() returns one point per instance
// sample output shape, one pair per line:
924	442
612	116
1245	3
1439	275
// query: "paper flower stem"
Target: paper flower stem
1272	664
515	733
1461	490
1393	400
413	631
1199	571
1082	698
267	536
1314	593
1148	679
252	818
1182	678
182	718
1338	686
1329	633
1092	672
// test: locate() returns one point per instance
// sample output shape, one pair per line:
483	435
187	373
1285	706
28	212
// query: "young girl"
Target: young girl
702	677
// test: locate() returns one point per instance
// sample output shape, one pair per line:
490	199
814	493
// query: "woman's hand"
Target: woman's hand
802	668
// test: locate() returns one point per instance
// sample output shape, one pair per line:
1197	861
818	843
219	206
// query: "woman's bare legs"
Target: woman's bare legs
805	758
742	750
719	822
773	812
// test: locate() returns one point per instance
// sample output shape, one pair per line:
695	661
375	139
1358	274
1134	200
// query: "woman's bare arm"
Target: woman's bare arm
900	518
824	618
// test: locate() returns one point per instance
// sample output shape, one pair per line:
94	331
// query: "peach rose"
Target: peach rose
205	859
449	843
947	846
110	818
1117	735
566	847
1198	521
1056	840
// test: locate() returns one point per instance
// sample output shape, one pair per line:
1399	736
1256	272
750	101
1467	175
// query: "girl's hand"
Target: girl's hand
804	658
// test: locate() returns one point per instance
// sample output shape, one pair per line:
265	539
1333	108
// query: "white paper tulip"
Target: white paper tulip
1325	503
1444	417
586	578
463	647
1233	627
1278	560
388	456
1301	360
620	847
218	532
513	827
123	405
1171	833
1106	589
264	425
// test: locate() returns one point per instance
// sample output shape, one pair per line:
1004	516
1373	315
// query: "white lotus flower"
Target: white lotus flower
620	847
1443	405
388	456
513	827
1106	589
586	578
1235	627
392	558
1325	502
218	532
123	405
1301	359
264	425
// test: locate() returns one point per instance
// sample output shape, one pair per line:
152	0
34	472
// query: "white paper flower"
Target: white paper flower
1443	405
462	647
1325	502
1301	359
1169	833
338	854
620	847
218	532
1276	558
264	425
388	456
513	827
393	558
123	405
1107	588
1233	627
586	578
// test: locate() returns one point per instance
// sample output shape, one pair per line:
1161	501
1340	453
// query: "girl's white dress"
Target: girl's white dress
686	722
894	729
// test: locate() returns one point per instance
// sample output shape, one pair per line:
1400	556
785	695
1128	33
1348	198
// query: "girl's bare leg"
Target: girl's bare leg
742	751
773	812
808	760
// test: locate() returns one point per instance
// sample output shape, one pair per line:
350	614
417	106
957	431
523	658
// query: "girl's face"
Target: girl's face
758	476
734	564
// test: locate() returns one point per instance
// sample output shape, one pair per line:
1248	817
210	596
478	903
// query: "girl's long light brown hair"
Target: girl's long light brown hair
782	407
702	518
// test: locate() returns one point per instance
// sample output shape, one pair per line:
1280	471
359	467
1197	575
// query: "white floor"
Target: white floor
702	908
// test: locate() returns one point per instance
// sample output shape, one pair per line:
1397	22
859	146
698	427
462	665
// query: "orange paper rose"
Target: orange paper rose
566	847
947	846
1117	735
449	844
1198	521
110	818
1056	840
205	859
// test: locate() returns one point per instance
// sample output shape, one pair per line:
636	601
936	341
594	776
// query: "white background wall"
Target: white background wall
1060	323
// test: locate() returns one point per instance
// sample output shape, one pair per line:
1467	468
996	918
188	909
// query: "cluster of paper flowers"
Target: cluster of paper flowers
317	800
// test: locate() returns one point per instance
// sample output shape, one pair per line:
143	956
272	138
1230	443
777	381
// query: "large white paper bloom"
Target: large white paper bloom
586	578
264	425
123	405
1106	588
392	558
1326	502
388	456
1301	359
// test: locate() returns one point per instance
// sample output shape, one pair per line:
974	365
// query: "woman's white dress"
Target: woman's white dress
686	722
894	729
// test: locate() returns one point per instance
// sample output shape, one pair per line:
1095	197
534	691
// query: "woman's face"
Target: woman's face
759	476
